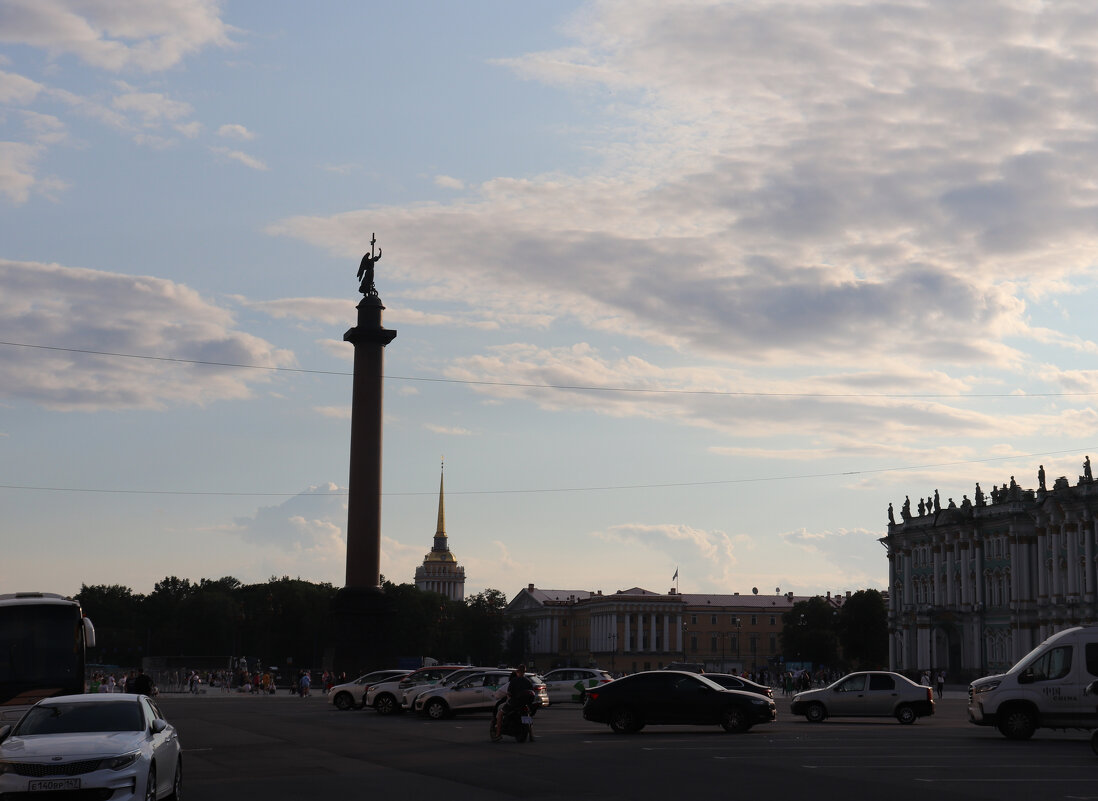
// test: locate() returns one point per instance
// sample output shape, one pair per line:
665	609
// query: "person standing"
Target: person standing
941	682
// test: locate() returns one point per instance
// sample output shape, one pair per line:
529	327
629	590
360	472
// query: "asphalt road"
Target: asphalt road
283	747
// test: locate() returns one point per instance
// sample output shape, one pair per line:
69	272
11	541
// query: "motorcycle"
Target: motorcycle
517	722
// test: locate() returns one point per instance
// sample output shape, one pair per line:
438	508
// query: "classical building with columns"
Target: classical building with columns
637	629
440	571
974	587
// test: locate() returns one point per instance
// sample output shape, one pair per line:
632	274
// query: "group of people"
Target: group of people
133	682
939	681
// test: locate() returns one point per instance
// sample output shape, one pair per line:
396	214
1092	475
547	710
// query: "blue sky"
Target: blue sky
690	285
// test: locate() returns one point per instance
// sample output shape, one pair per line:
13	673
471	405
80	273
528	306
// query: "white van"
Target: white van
1049	688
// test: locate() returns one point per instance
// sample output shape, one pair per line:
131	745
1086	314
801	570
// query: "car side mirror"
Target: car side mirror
1091	688
5	730
1026	677
158	725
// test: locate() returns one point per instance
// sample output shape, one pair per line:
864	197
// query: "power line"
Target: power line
554	490
571	387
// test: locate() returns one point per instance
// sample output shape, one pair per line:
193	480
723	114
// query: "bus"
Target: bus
42	640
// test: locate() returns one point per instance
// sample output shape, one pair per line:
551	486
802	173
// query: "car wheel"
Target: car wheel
177	783
343	702
436	709
385	704
734	719
1017	723
623	720
815	712
906	714
150	785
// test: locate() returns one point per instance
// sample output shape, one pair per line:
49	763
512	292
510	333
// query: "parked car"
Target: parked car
385	697
732	682
874	693
91	746
570	684
408	695
352	694
470	692
676	697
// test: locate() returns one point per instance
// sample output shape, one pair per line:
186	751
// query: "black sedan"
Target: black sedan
732	682
677	698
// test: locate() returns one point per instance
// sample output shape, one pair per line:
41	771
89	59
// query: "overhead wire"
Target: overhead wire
570	387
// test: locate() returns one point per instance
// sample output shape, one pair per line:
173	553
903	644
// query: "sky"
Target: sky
679	286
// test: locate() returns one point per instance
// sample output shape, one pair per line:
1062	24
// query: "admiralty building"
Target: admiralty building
975	585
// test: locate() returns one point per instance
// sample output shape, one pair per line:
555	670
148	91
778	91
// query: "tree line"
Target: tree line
283	622
853	635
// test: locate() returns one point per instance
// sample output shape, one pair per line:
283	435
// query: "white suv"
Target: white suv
475	692
385	697
570	684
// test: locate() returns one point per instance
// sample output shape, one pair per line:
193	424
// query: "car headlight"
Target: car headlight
120	762
983	688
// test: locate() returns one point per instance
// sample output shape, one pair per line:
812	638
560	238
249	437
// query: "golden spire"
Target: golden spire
441	506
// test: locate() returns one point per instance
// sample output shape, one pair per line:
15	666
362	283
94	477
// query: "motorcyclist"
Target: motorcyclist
520	690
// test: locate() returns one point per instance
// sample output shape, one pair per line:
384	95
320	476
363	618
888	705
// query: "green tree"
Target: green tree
863	630
116	614
484	624
809	632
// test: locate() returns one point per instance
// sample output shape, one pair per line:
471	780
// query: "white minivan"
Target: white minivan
1049	688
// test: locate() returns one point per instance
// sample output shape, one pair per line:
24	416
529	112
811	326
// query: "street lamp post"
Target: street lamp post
736	620
613	638
684	633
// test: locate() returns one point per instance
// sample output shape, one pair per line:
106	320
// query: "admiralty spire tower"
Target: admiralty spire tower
440	571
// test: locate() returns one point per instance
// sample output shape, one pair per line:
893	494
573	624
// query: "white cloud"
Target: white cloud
235	132
54	305
152	107
240	156
335	412
17	170
17	90
118	34
450	431
446	182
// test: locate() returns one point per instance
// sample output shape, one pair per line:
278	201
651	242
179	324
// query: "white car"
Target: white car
409	695
472	692
385	697
117	746
570	684
352	694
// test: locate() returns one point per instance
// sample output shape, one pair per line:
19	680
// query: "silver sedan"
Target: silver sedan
118	743
874	693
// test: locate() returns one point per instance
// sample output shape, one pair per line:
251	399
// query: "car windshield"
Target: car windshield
81	718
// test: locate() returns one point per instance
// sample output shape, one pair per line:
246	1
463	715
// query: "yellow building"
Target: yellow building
440	571
637	629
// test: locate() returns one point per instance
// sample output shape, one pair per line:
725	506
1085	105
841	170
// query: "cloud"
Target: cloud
243	158
17	170
152	107
59	306
235	132
450	431
17	90
115	35
335	412
854	553
314	516
446	182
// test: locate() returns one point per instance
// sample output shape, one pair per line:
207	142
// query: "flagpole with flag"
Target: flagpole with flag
675	578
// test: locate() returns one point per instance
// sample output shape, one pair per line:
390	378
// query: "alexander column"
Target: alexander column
364	482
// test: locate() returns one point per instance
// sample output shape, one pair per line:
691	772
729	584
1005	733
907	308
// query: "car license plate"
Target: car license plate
54	784
527	720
